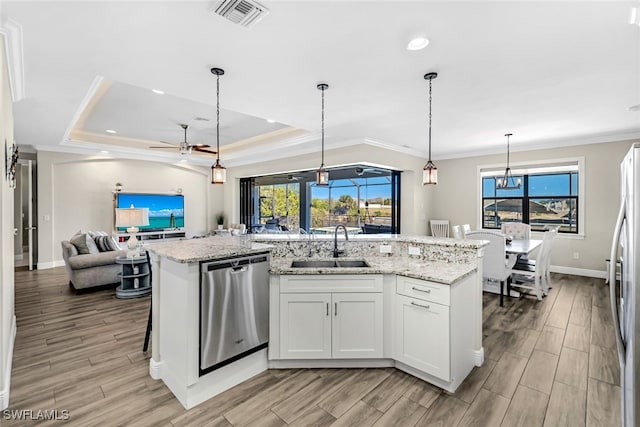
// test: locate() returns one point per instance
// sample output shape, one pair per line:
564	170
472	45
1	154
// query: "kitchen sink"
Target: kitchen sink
329	263
352	263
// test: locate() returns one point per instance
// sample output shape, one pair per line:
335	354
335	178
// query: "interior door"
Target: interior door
25	215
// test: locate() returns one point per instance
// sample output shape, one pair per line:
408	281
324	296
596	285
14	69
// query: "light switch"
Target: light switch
414	250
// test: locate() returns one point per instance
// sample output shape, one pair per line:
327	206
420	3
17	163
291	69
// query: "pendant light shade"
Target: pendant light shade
430	171
322	175
218	172
507	182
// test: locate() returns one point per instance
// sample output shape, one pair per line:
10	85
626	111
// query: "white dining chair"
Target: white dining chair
516	230
496	266
465	229
439	227
542	264
457	232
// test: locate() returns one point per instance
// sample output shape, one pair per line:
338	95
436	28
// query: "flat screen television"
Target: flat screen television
166	211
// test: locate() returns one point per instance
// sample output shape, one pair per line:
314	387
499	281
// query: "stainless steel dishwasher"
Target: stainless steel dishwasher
234	309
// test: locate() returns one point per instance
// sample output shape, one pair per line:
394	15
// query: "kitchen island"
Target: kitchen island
416	305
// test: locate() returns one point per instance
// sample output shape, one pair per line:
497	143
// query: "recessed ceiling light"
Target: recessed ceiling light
271	121
634	108
110	131
417	43
104	152
159	92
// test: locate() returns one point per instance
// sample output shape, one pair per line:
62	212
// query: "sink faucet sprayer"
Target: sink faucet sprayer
336	252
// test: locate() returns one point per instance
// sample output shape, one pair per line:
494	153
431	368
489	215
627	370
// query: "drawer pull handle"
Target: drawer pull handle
420	305
426	291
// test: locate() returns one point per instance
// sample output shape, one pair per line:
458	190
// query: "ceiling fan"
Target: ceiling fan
184	147
360	171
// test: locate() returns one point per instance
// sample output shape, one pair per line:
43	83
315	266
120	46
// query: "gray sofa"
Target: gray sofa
90	270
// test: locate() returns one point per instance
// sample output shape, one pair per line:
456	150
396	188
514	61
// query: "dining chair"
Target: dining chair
517	230
496	266
457	232
542	262
465	229
439	227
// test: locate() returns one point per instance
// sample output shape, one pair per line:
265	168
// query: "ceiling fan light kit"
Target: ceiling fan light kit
507	182
430	171
322	175
218	172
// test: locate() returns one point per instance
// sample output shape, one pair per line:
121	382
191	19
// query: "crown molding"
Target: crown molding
12	32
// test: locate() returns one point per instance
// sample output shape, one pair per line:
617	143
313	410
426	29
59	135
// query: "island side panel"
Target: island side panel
178	325
478	310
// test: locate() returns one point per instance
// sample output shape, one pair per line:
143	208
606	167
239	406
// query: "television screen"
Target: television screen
166	211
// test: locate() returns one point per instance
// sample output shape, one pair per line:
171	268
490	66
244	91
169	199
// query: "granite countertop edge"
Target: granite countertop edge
441	272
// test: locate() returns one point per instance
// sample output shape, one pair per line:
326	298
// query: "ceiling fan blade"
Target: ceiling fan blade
170	143
201	145
170	148
204	150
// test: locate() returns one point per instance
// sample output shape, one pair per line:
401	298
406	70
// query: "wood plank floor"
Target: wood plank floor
549	363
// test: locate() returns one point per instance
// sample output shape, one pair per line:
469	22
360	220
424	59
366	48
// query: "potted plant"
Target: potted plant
220	220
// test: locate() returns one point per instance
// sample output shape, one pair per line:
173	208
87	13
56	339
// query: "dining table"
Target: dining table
522	246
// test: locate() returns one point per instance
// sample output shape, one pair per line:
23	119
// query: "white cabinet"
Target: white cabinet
356	328
422	335
305	326
330	325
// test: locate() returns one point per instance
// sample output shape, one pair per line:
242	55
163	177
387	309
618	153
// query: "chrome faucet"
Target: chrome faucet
336	252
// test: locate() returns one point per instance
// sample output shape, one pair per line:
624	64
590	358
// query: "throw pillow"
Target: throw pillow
84	244
112	244
101	243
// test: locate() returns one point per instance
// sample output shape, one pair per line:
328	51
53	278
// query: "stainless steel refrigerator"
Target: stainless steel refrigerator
625	299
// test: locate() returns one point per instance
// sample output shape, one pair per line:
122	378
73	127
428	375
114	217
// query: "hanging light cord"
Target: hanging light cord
217	118
430	119
322	163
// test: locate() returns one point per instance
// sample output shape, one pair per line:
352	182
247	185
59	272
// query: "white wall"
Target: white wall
76	192
414	196
7	306
456	198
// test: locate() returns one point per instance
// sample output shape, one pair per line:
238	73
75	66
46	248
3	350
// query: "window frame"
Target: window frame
551	166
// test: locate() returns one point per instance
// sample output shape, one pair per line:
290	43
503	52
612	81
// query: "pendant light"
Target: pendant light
430	171
507	182
322	175
218	172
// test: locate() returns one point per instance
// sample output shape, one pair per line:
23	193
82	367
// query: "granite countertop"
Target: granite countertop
408	238
441	272
206	248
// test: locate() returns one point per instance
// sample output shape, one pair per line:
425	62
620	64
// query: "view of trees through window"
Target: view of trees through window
352	202
359	198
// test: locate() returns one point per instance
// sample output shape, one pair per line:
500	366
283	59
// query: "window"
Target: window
363	198
547	196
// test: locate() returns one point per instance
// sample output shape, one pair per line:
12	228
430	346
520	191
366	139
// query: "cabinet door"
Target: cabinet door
305	326
357	325
422	336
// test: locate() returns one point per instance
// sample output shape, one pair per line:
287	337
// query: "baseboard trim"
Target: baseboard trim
578	271
46	265
4	391
479	356
155	369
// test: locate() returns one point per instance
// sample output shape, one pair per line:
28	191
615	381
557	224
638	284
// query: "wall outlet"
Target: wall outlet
414	250
385	249
576	255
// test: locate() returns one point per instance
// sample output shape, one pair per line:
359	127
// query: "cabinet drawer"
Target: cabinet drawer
331	283
421	289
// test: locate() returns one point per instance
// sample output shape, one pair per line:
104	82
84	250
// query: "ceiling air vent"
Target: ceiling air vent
244	12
